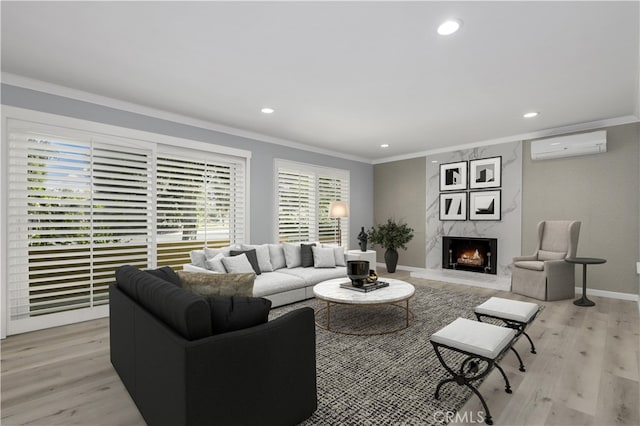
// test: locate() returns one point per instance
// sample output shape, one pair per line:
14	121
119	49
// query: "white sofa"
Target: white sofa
281	279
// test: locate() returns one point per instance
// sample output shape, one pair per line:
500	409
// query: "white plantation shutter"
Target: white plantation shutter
77	210
200	201
304	193
81	204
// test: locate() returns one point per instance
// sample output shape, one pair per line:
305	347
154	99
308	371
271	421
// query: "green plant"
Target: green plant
391	235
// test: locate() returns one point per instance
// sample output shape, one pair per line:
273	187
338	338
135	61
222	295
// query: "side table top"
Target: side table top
585	260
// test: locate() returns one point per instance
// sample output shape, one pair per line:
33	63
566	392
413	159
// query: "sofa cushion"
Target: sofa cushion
276	254
551	255
276	282
212	252
165	273
186	313
235	312
262	253
206	284
292	255
312	276
533	265
251	257
323	257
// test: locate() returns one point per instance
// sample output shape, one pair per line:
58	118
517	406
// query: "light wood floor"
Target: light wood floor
585	372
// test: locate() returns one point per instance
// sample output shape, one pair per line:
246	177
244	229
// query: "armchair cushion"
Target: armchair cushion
533	265
235	313
551	255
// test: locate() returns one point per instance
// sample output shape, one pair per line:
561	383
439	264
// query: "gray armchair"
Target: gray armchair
545	275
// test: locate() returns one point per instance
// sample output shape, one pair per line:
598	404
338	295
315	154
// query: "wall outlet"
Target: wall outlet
638	267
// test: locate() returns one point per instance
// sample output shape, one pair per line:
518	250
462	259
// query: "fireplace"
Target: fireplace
470	254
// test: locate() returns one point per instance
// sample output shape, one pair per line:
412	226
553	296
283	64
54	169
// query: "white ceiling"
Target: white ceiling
345	77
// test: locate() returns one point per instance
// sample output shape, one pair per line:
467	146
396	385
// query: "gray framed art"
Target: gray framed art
453	176
485	173
453	206
485	205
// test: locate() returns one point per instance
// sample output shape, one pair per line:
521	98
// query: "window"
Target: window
303	194
81	204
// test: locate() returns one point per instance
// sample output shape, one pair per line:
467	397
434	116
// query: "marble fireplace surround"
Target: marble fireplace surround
507	230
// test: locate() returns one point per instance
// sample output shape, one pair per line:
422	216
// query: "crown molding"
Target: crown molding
539	134
80	95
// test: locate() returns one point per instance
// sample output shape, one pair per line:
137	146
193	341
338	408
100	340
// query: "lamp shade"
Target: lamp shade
338	209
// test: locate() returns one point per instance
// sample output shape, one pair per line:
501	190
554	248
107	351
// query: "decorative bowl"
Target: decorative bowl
358	272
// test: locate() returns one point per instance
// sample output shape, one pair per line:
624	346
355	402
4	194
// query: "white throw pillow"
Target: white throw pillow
237	264
262	253
323	257
338	253
215	263
276	253
198	258
210	253
292	255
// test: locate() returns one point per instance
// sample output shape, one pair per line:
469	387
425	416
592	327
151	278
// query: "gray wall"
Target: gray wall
602	192
506	230
400	189
262	161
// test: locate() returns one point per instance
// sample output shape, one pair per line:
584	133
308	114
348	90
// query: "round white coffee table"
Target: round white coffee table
330	292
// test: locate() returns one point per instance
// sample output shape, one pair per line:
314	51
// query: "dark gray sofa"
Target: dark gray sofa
179	374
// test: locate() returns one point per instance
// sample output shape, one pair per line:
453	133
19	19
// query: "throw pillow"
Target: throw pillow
338	253
292	255
276	253
306	255
262	253
237	264
198	258
165	273
215	264
323	257
206	284
251	257
235	313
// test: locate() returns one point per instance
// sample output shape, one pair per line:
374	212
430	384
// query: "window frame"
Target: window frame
101	133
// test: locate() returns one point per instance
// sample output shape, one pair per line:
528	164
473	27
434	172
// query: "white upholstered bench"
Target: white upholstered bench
482	343
514	314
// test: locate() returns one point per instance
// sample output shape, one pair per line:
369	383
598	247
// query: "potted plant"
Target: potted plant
391	236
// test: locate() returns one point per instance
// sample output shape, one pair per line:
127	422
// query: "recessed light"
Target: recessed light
267	110
530	114
555	144
384	145
434	161
449	27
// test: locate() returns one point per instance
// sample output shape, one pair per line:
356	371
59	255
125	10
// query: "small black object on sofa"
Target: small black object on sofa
179	372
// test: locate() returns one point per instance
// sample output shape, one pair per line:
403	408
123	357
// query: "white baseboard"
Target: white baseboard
609	294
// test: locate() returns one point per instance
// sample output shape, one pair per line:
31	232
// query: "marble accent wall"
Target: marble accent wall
507	230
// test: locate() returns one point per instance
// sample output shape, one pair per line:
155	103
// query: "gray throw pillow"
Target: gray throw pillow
306	255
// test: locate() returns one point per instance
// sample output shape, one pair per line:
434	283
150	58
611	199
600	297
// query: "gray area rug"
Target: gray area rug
386	379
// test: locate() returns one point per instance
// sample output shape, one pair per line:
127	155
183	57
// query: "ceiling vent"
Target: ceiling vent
569	146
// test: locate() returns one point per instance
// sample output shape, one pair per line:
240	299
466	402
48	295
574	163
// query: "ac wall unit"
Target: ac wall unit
569	146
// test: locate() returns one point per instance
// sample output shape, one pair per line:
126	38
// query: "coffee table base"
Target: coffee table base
404	306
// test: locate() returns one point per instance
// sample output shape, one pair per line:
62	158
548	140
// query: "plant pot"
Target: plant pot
391	259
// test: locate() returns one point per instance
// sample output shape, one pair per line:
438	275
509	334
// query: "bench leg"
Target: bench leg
533	348
507	387
519	359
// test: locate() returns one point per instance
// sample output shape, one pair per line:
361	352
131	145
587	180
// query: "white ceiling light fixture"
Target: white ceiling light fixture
530	114
449	27
384	145
267	110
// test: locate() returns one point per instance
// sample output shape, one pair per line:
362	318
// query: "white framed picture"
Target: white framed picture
485	173
453	206
485	205
453	176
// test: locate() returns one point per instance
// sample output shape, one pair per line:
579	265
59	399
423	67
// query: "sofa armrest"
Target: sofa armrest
524	258
188	267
